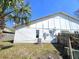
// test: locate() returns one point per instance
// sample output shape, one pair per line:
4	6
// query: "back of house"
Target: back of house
46	29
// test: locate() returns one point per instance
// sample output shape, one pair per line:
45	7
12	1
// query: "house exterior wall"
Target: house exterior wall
25	35
56	24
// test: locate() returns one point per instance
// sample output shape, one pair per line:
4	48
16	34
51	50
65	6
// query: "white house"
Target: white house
46	28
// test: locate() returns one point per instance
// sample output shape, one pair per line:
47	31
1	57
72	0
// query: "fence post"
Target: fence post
70	50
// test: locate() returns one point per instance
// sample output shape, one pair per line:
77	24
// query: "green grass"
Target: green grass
28	51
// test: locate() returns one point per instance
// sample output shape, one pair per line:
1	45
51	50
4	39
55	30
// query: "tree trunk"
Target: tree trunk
2	24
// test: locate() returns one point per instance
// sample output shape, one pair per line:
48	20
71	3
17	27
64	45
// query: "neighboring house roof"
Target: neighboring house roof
65	15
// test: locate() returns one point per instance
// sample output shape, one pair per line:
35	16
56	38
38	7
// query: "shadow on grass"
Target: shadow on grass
5	47
10	41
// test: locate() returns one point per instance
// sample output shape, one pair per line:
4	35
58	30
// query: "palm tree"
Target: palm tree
14	10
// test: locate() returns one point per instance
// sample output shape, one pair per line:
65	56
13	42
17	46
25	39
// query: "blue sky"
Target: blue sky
45	7
42	8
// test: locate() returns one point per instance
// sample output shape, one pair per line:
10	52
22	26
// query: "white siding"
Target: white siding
67	24
28	35
39	25
57	22
25	35
51	23
45	24
78	27
33	26
63	23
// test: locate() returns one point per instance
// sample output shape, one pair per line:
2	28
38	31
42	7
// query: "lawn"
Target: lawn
29	51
